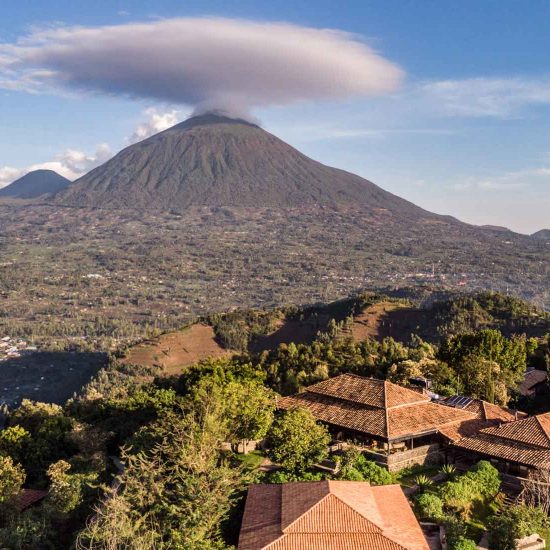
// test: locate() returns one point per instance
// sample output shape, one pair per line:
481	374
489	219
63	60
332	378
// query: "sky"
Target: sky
444	103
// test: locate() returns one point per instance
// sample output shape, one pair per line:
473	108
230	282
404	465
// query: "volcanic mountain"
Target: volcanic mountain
35	184
211	160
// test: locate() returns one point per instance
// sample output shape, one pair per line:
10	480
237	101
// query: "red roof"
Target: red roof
525	441
375	407
329	515
28	497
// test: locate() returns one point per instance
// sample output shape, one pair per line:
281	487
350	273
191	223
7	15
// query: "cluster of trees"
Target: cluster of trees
484	364
452	502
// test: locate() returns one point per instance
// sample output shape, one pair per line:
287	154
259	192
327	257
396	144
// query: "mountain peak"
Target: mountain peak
35	184
212	118
216	160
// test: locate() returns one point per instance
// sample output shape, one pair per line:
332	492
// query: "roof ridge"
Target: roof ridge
386	411
340	500
484	409
542	428
326	481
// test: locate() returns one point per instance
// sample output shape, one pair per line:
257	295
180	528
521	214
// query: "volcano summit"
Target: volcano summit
211	160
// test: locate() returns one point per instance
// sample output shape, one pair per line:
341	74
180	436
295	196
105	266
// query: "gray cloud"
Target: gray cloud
202	62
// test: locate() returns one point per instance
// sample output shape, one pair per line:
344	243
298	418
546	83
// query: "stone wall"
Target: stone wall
427	454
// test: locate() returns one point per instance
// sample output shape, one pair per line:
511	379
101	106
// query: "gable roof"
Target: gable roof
367	391
525	441
533	430
487	415
329	515
27	497
531	379
345	401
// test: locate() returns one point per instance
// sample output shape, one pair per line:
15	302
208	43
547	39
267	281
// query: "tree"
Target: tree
250	407
66	490
429	506
536	489
173	494
514	523
489	365
14	441
12	477
296	441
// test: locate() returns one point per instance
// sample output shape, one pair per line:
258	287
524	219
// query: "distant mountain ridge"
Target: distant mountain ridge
543	234
35	184
211	160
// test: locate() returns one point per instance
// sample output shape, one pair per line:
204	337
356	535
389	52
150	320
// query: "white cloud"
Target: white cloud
73	163
213	62
157	121
70	163
485	97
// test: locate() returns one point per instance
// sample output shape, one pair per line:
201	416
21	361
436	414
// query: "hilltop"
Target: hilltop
35	184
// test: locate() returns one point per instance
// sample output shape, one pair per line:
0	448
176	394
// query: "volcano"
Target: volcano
35	184
212	160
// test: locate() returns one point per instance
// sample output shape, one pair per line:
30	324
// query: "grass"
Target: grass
251	460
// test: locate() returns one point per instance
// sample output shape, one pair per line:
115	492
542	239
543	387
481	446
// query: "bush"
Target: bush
463	544
429	506
355	467
479	484
486	478
514	523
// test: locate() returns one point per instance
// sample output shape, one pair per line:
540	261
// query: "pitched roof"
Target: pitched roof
367	391
28	497
533	430
526	441
531	379
511	451
344	401
487	415
329	515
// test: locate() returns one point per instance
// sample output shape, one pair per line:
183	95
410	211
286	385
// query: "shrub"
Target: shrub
448	470
514	523
429	506
463	544
486	478
423	482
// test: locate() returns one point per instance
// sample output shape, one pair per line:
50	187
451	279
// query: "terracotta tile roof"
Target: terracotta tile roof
339	413
28	497
487	415
510	451
424	418
531	379
403	418
367	391
533	430
329	515
525	441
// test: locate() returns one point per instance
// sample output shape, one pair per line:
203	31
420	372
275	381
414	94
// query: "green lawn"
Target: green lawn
251	460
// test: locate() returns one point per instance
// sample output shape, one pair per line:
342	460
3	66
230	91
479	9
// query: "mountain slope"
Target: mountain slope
35	184
217	161
543	234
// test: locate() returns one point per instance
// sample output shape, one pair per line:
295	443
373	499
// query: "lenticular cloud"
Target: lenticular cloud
199	61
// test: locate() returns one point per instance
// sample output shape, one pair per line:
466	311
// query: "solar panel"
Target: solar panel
458	401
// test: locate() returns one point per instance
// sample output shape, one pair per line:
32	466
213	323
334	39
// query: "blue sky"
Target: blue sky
465	132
